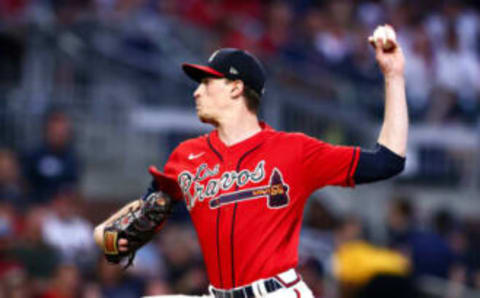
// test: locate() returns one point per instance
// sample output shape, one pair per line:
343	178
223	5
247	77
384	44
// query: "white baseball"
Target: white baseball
385	36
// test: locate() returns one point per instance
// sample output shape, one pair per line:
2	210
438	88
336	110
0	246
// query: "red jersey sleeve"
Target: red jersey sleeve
326	164
173	163
167	180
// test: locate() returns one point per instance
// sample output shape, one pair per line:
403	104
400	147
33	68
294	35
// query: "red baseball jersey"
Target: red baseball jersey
246	201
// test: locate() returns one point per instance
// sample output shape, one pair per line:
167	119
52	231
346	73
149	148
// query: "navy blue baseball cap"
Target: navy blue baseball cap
233	64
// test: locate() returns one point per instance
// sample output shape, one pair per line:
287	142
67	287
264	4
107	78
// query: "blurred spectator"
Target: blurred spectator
431	254
68	232
11	184
317	245
334	41
54	164
428	249
371	13
39	259
419	72
14	283
233	34
278	29
203	12
445	225
9	226
66	283
10	8
148	263
157	287
13	278
400	224
312	273
114	282
458	78
460	17
70	11
209	13
182	256
319	216
359	264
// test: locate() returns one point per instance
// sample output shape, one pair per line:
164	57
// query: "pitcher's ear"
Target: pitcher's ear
237	88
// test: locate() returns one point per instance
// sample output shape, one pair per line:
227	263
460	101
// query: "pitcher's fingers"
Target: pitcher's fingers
378	48
123	244
393	43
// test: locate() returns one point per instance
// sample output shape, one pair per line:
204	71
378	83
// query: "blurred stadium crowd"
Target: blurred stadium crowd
46	248
321	42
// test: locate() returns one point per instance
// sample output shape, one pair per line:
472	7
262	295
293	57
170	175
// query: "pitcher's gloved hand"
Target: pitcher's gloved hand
137	227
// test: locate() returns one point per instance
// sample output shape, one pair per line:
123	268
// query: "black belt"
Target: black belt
271	285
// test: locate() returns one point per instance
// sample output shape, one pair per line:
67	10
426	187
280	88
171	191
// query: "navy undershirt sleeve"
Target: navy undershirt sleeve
151	189
378	164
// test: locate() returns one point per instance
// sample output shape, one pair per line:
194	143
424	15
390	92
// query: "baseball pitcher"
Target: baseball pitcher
246	184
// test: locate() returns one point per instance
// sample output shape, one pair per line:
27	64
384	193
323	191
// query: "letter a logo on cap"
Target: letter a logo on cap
213	56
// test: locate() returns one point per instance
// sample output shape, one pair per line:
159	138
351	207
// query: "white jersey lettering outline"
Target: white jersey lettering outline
200	192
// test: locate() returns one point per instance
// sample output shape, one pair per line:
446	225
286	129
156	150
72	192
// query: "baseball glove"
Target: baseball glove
137	226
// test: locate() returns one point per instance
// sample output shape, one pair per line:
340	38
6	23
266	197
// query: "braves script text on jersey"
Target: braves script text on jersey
246	200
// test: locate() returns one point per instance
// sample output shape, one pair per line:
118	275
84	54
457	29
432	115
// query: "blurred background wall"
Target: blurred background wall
92	93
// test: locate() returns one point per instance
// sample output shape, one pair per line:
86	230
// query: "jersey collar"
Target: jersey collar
246	144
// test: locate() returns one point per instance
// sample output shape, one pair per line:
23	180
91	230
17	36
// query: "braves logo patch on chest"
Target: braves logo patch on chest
196	188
